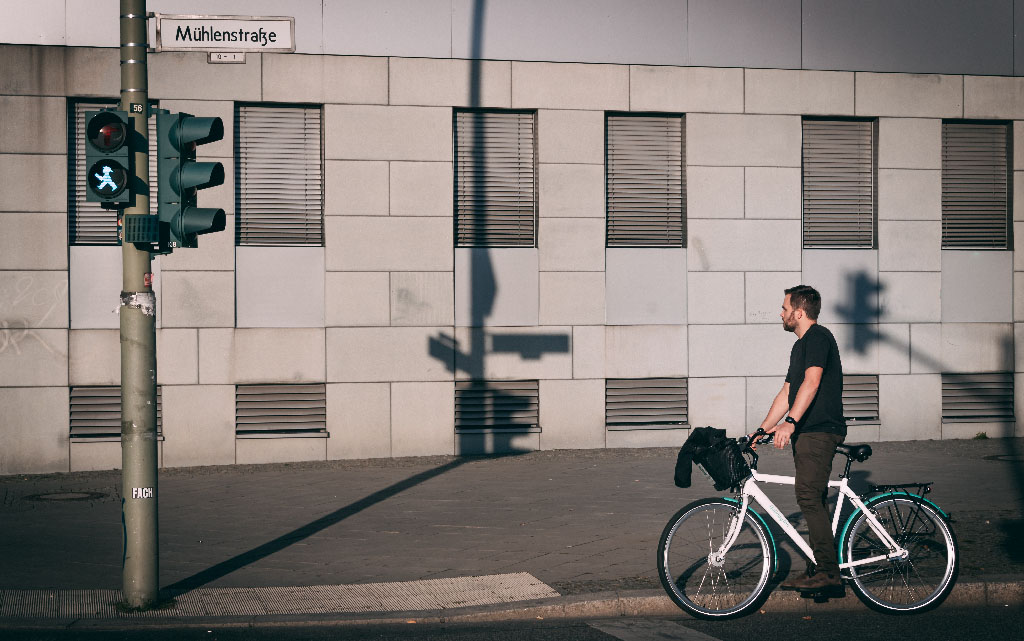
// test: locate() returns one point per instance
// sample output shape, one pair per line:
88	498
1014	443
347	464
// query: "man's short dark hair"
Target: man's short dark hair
806	298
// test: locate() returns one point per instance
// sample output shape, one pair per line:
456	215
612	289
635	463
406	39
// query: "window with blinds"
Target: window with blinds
840	171
860	399
976	207
645	181
497	406
495	179
977	398
89	223
645	403
278	176
96	413
275	411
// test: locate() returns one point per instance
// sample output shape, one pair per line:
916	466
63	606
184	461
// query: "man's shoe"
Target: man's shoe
830	584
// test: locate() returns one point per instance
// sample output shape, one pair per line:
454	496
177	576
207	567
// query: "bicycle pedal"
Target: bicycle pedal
824	594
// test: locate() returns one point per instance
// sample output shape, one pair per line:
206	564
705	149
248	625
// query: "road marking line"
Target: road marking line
649	630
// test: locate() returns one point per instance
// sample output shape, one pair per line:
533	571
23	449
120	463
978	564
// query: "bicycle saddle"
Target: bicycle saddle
859	453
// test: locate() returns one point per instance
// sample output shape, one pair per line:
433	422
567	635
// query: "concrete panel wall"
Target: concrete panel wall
279	287
645	286
572	414
496	287
34	430
198	425
359	420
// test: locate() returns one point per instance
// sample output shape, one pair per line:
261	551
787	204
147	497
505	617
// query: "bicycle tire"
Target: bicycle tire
918	583
736	586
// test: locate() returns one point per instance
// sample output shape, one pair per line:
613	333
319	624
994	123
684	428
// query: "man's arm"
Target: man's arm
804	395
779	408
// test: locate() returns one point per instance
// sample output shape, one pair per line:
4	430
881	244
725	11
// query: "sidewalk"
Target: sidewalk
571	532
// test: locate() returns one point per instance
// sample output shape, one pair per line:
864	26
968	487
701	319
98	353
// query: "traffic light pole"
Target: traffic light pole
140	571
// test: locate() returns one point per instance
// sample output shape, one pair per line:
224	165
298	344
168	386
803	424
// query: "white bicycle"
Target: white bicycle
897	551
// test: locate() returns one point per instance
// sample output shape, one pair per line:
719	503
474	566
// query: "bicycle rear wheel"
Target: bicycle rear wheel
703	586
917	583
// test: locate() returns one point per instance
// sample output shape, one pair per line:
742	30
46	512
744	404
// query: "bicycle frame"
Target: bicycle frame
751	490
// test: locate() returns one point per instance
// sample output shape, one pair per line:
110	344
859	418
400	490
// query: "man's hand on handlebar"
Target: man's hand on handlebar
783	433
760	437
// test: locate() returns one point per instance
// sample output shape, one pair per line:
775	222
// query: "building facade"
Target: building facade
461	226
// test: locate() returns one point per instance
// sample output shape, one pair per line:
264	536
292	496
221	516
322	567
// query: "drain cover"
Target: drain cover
66	496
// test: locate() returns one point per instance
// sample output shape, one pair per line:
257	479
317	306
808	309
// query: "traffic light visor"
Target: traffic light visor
107	132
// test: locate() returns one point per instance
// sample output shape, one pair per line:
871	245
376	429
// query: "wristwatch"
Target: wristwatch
789	419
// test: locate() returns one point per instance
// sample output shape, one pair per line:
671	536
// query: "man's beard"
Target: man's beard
786	325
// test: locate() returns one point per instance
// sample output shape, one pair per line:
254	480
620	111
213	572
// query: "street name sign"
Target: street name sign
225	33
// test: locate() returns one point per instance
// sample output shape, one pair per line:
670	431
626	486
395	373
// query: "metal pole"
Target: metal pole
140	570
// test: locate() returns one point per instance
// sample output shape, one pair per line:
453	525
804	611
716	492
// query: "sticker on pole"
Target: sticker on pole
225	33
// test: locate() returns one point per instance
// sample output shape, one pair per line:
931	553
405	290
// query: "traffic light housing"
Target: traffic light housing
180	177
109	169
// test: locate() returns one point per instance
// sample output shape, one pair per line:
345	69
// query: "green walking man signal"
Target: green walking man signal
108	158
180	177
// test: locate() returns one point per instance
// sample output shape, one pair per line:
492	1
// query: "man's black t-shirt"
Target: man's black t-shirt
818	348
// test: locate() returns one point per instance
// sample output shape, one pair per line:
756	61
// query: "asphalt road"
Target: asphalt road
948	624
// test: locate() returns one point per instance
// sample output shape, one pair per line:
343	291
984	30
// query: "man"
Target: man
812	396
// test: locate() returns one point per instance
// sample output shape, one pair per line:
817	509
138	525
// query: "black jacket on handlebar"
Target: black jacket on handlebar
700	440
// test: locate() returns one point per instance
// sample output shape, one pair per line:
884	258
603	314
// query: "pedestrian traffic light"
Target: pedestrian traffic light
180	177
108	157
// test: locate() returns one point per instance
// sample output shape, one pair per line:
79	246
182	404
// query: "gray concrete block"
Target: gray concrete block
735	140
972	430
925	348
543	85
977	347
355	299
847	281
800	92
571	244
714	192
909	246
91	71
772	192
685	89
33	357
893	349
89	456
572	298
646	286
496	287
571	191
389	28
715	297
476	444
422	419
450	83
1018	298
422	299
421	189
744	245
356	188
33	125
910	407
289	77
909	95
1018	344
244	356
198	425
568	136
977	286
198	299
647	438
738	350
279	287
993	97
514	353
588	351
909	143
909	194
95	286
259	451
187	75
416	243
1018	203
369	132
94	357
644	351
35	71
38	183
761	392
572	414
765	292
34	430
26	241
383	354
177	356
33	299
910	297
719	402
359	420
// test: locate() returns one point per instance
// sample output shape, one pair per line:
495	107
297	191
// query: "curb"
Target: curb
600	605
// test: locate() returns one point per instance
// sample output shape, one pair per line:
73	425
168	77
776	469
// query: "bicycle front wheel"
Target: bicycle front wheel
700	583
916	583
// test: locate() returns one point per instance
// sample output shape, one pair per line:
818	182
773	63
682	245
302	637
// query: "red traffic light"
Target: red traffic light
107	132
